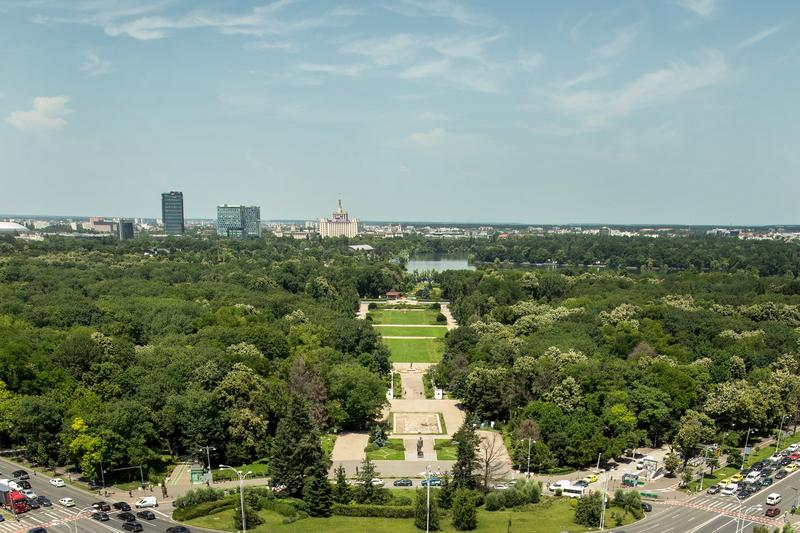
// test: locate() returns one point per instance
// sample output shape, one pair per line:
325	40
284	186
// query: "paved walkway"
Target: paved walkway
363	309
350	446
451	322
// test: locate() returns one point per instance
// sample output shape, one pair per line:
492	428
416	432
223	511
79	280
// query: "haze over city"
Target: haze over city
630	112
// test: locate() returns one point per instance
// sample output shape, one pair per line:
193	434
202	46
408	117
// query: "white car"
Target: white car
67	502
147	501
377	482
29	494
730	489
57	482
13	485
793	448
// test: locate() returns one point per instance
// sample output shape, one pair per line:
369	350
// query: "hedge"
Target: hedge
377	511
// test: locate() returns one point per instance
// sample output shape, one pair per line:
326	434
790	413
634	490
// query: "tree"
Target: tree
360	393
366	492
693	429
296	448
422	516
490	457
467	441
672	462
317	492
446	492
588	510
341	491
465	516
252	517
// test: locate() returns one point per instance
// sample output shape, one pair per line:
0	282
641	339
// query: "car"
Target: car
793	447
752	476
794	456
20	474
766	482
736	478
13	485
752	488
743	495
591	478
785	461
29	493
780	474
24	484
790	467
146	515
37	530
33	503
730	489
132	526
646	507
713	489
435	482
772	511
44	501
94	485
725	482
100	516
2	518
375	482
581	483
67	502
178	529
150	501
501	486
57	482
126	516
101	506
402	483
121	506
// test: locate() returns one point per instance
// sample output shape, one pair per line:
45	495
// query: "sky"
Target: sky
673	111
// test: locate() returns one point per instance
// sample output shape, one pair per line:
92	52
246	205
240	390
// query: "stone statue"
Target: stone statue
420	455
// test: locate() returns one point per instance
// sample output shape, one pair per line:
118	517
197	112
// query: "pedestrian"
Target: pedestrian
130	494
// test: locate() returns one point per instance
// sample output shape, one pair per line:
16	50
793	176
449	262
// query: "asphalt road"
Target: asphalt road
73	519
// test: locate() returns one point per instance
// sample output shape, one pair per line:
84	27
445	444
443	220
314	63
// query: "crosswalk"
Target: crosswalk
43	517
726	507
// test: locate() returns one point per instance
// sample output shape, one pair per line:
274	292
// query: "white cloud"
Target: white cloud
268	45
442	8
440	139
595	109
426	69
47	115
758	37
434	137
704	8
342	70
585	77
94	65
623	38
529	60
432	115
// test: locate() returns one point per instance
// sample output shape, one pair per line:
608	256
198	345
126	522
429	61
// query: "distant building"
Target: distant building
339	225
100	225
238	221
12	228
125	229
172	212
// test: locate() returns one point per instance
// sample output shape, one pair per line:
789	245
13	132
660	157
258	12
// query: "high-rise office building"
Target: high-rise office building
125	229
172	212
238	221
339	225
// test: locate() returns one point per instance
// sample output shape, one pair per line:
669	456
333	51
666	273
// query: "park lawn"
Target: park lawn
393	451
259	468
398	316
415	350
761	452
549	517
328	441
411	331
445	450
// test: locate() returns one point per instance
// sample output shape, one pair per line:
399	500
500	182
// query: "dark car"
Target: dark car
102	506
178	529
581	483
37	530
3	518
435	482
743	495
127	517
19	474
773	511
402	483
766	482
132	526
100	516
146	515
752	488
768	471
121	506
94	485
785	461
24	484
33	503
713	489
646	507
780	474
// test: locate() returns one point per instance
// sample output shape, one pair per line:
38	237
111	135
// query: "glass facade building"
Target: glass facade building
172	212
125	229
238	221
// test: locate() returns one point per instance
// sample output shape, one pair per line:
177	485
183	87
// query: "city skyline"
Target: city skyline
678	112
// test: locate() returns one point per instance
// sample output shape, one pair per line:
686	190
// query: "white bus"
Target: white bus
573	491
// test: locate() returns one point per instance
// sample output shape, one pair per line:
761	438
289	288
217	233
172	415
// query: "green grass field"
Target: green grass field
421	316
552	516
394	451
411	331
415	350
445	451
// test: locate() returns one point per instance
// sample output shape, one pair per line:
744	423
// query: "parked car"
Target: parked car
581	483
44	501
591	478
646	507
147	501
178	529
67	502
743	495
94	485
57	482
402	483
737	477
121	506
435	482
785	461
790	467
766	482
146	515
773	511
101	506
752	488
780	474
135	527
730	489
376	482
100	516
126	516
20	474
713	489
501	486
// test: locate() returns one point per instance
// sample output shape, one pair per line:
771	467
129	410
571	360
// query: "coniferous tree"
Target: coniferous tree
421	511
317	492
465	516
341	491
446	492
252	517
296	448
366	492
466	458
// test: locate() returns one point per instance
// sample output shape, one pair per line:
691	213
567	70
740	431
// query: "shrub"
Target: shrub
436	306
372	305
197	496
465	516
204	509
377	511
401	500
441	319
494	502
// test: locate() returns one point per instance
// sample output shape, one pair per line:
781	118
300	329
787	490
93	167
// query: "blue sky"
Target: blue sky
682	111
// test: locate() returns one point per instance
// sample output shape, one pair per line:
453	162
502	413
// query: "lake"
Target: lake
422	263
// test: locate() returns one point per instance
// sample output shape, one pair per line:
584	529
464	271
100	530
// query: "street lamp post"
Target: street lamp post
208	458
746	441
741	517
241	477
780	432
428	499
89	508
141	472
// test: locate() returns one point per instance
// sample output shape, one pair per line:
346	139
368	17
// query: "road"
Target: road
73	519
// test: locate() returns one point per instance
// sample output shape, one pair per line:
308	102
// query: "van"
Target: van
147	501
561	484
753	476
774	499
730	489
